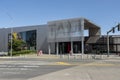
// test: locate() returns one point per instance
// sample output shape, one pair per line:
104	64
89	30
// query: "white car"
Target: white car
3	53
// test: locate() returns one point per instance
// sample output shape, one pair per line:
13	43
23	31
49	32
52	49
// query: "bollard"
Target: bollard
68	56
61	56
75	56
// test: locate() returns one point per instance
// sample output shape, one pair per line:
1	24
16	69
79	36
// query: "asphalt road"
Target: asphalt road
22	72
59	69
25	68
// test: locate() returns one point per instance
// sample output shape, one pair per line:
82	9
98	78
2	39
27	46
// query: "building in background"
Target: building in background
34	36
60	37
114	43
67	36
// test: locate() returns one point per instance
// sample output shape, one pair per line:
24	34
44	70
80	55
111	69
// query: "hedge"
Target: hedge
22	52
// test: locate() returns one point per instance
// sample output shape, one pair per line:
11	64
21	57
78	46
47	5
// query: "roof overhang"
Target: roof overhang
87	23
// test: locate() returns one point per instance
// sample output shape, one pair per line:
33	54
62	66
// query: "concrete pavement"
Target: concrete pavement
32	56
75	56
84	72
104	69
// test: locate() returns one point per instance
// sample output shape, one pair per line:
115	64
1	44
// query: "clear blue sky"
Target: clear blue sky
15	13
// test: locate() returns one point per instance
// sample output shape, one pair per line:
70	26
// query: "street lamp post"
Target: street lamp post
11	42
11	29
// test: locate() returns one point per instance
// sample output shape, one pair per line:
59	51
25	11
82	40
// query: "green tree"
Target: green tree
17	43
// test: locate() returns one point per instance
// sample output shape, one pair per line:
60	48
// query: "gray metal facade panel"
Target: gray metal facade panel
65	39
27	28
42	43
65	30
41	36
2	40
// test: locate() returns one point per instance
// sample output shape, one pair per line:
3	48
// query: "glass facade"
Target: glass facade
65	47
30	38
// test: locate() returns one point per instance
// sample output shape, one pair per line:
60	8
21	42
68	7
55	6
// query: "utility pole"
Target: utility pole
108	47
82	36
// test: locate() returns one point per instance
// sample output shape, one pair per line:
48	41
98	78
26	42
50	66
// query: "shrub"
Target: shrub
22	52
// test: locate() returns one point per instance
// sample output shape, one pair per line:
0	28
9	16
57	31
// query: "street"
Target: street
25	68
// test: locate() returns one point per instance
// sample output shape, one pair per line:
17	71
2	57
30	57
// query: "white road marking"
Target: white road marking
29	66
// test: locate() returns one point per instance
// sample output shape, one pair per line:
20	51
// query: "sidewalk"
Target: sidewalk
40	56
69	57
33	56
83	73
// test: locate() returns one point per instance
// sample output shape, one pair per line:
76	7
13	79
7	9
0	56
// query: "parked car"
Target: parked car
3	53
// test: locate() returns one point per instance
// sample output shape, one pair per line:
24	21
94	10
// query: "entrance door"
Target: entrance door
64	47
61	48
76	47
